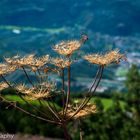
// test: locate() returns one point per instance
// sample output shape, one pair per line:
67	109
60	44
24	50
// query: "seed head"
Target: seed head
60	62
3	86
87	110
111	57
6	69
39	92
29	61
39	62
67	47
20	61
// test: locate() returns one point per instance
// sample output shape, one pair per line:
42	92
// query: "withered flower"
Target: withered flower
20	61
23	89
111	57
114	56
3	86
6	69
29	61
39	95
39	62
39	92
61	63
67	47
87	110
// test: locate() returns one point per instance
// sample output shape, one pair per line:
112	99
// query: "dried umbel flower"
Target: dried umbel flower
47	86
20	61
39	62
3	86
51	70
61	63
6	69
111	57
23	89
29	61
39	92
115	56
67	47
87	110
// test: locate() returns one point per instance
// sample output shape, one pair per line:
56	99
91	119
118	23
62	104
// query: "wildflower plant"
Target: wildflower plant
44	91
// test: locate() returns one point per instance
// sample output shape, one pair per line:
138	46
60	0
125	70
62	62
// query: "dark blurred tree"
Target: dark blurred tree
133	81
133	95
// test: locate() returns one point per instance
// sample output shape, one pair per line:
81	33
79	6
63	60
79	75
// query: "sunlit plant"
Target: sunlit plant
45	91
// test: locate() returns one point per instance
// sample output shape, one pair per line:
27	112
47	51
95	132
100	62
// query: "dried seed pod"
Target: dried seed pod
111	57
61	63
67	47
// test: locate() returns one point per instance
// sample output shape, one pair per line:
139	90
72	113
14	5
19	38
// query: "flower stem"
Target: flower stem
28	77
67	136
68	90
63	96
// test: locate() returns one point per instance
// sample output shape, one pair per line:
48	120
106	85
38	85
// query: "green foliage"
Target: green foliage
106	124
14	121
133	96
133	80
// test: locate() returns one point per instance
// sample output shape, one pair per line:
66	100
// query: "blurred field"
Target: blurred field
105	101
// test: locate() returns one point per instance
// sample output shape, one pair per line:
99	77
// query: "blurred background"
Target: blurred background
34	26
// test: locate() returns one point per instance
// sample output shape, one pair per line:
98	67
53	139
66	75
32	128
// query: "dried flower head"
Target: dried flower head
3	86
60	62
39	62
39	92
111	57
114	56
5	69
20	61
23	89
51	70
87	110
29	61
67	47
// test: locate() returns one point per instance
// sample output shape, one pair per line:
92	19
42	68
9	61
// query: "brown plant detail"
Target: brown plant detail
67	47
28	61
40	62
61	63
87	110
103	60
6	69
3	85
20	61
41	91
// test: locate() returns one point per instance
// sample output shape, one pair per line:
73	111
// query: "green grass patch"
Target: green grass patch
107	103
34	102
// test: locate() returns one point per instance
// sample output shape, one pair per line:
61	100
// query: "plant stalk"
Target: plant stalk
68	90
66	134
